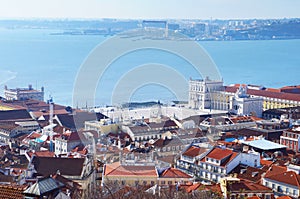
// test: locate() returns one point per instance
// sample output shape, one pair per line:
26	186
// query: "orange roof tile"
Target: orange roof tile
284	197
266	93
275	170
12	191
194	151
174	173
192	187
116	169
289	177
219	154
266	162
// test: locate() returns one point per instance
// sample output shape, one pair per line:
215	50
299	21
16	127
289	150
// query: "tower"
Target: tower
51	104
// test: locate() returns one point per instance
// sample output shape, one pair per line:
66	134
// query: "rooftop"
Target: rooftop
266	93
264	144
194	151
116	169
174	173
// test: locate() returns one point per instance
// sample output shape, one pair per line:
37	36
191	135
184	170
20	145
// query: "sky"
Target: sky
150	9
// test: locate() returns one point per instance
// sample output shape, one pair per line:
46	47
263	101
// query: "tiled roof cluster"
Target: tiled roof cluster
267	93
12	191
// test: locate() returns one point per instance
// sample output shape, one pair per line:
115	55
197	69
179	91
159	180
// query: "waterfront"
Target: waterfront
37	57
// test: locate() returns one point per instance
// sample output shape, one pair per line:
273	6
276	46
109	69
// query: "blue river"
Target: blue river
37	57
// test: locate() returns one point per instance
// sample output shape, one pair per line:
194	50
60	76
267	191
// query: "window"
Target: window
287	190
294	192
267	184
163	182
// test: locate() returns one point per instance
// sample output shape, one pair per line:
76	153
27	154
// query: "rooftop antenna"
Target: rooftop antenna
51	122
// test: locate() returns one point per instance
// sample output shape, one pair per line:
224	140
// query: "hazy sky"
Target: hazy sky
151	9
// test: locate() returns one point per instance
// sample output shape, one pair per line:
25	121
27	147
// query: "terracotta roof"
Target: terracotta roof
194	151
266	162
289	177
219	154
284	197
116	169
12	191
41	154
250	174
241	119
174	173
275	170
247	187
191	187
266	93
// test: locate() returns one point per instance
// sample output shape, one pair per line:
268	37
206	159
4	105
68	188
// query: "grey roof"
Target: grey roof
43	186
264	144
49	165
62	195
76	120
14	115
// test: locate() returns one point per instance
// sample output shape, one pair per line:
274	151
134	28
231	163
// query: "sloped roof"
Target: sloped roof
49	165
175	141
14	115
197	118
174	173
194	151
116	169
41	154
284	197
266	93
288	177
251	174
70	184
12	191
43	186
219	154
77	119
247	187
162	126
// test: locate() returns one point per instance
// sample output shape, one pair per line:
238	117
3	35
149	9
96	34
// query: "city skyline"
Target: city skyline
134	9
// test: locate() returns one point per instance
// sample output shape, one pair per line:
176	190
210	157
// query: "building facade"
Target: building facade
23	93
291	139
203	92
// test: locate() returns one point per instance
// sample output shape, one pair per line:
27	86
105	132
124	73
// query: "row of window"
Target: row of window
280	189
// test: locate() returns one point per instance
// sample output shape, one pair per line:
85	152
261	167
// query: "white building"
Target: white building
201	93
243	104
208	94
24	93
282	181
219	162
